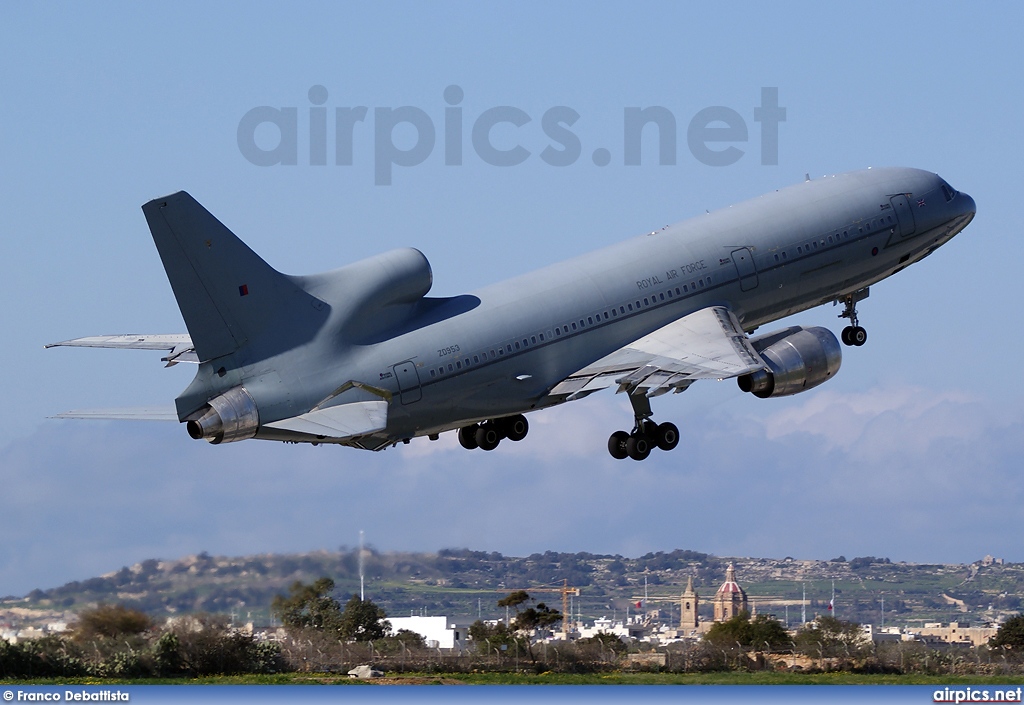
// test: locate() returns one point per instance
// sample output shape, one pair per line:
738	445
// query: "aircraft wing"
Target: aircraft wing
707	344
179	346
341	421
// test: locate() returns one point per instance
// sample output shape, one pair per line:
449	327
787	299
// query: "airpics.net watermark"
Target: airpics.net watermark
269	136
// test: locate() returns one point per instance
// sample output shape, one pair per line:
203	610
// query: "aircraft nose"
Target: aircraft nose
966	204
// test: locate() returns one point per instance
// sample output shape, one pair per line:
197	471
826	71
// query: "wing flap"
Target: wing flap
341	421
707	344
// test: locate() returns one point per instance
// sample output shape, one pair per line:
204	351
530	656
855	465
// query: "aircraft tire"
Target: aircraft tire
668	436
467	437
516	427
617	445
638	447
845	336
858	336
487	435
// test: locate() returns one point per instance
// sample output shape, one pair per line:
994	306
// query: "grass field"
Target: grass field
619	678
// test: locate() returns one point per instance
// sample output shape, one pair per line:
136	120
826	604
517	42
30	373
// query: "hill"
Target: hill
463	584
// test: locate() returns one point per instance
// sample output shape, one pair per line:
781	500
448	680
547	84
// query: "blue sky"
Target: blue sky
912	452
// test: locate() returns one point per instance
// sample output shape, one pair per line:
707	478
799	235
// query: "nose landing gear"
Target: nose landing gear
853	334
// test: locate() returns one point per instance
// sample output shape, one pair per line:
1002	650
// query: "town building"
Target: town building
731	599
437	633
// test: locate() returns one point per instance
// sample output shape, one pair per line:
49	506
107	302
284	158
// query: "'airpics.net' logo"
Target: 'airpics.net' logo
269	136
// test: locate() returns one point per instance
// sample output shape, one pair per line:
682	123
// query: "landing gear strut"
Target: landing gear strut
645	436
488	435
853	334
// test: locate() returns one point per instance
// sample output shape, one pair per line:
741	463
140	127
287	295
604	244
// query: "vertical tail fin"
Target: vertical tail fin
227	294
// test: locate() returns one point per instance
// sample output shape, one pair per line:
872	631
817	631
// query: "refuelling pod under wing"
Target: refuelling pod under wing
797	359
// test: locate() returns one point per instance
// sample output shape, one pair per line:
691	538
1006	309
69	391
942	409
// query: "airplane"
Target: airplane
360	356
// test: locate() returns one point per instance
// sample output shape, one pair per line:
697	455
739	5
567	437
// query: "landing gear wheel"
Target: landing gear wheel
638	447
858	336
617	445
845	335
667	436
467	437
516	427
487	436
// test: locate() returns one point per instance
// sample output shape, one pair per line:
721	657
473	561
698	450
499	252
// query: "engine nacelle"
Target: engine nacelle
798	359
232	416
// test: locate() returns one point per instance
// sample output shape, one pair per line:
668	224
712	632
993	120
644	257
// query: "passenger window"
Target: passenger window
815	245
533	339
830	239
701	282
476	360
630	306
525	343
590	320
646	303
622	310
450	367
517	345
458	365
433	373
558	331
638	305
662	296
685	288
509	348
574	326
606	315
581	323
784	256
542	337
677	292
614	313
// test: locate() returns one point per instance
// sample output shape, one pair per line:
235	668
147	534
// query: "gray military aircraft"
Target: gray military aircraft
361	356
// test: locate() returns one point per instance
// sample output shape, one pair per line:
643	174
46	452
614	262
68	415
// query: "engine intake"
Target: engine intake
797	359
232	416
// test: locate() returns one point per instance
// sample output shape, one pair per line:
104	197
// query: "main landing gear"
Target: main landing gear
488	435
645	436
853	334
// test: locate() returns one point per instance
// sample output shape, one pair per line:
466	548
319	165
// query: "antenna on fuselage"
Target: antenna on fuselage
807	176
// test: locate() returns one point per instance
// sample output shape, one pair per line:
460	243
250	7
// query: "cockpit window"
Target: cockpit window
948	191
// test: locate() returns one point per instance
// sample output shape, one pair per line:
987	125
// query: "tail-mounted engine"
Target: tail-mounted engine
797	359
232	416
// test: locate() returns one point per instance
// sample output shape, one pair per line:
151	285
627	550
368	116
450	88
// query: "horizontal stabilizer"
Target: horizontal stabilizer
342	421
178	345
132	413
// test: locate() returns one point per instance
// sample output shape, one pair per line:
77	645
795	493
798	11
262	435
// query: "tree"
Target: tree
1010	634
111	621
309	607
362	620
747	632
531	618
829	636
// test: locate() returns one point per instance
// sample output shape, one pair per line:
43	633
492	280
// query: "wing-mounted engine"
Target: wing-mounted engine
232	416
797	359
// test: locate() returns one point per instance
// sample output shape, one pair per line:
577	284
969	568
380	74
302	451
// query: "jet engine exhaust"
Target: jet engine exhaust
232	416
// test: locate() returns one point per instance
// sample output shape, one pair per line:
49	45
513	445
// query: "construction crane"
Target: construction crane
565	590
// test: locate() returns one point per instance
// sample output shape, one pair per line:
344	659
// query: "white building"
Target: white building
435	631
